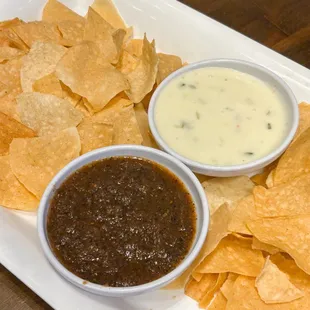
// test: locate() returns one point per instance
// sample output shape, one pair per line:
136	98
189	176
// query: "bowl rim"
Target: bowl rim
198	166
132	290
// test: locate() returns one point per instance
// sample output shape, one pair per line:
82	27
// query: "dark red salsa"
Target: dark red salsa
121	221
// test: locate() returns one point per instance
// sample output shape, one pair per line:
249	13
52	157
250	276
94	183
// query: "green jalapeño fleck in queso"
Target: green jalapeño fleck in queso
220	116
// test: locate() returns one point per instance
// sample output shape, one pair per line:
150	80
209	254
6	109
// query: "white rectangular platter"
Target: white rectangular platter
178	30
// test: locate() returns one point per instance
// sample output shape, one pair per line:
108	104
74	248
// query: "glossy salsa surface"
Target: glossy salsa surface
121	221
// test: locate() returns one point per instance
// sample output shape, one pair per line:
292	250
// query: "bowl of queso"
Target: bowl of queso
123	220
223	117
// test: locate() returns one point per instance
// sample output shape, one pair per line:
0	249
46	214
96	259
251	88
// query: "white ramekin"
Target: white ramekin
176	167
247	67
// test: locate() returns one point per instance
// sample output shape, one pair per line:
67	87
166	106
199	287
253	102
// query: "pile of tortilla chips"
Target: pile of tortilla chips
257	252
71	84
68	85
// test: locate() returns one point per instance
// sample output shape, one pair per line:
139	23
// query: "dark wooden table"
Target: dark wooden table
283	25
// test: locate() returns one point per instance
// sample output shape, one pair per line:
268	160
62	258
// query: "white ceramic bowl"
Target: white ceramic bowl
176	167
247	67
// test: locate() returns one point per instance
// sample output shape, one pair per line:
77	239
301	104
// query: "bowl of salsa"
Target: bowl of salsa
123	220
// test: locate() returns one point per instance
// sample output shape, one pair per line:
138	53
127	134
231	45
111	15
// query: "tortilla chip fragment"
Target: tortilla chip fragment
94	135
243	211
109	12
108	39
143	77
38	31
274	286
197	290
48	84
84	72
258	245
10	129
14	195
208	296
41	61
10	72
221	190
35	161
290	234
134	47
218	229
72	32
54	11
143	123
295	161
233	255
7	53
167	64
218	303
291	198
129	134
304	119
47	114
227	287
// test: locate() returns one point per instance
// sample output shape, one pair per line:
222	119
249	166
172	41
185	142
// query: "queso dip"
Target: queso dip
220	116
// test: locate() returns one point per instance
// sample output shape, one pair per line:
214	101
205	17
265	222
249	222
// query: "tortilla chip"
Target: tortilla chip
54	12
233	255
48	84
167	64
35	161
108	39
94	135
304	119
221	190
69	95
227	287
243	211
134	47
218	229
291	198
107	10
197	276
146	100
207	298
9	38
142	78
14	195
72	32
270	179
38	31
47	114
10	129
290	234
218	303
258	245
197	290
127	63
10	72
143	123
10	23
41	61
274	286
295	161
129	134
83	71
261	178
8	104
7	53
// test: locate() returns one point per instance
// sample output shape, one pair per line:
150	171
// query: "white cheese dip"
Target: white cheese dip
221	116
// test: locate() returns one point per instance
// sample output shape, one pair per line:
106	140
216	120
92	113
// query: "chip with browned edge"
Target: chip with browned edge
167	64
35	161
